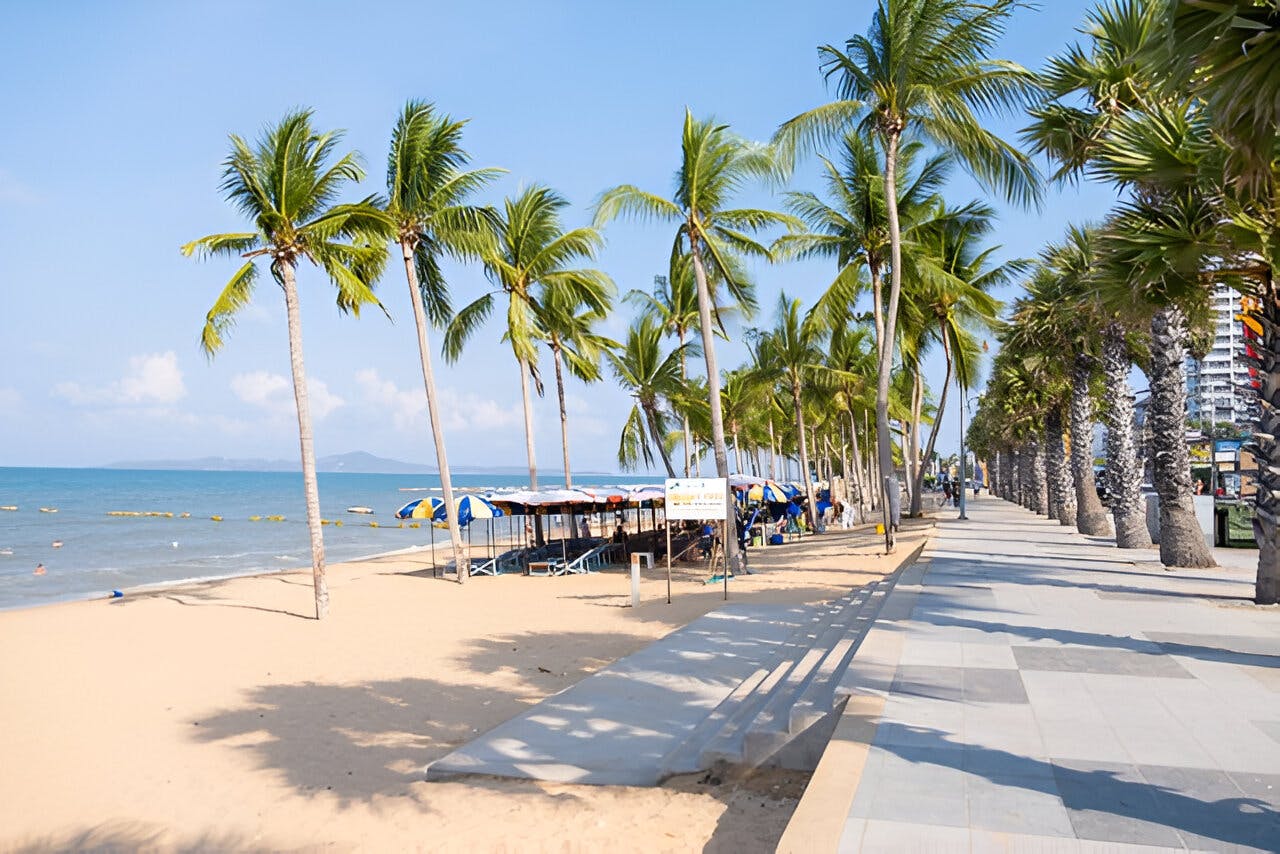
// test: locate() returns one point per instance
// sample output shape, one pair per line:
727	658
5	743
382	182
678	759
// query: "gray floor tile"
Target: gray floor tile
1113	661
992	685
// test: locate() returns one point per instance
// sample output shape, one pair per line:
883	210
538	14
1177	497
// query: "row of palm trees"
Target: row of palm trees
920	82
1173	104
921	73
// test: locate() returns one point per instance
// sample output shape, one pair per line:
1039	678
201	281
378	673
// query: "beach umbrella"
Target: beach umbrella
768	492
422	508
472	507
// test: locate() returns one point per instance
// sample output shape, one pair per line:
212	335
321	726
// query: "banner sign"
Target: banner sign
697	498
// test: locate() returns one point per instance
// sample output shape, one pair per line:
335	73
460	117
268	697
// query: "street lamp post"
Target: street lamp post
964	401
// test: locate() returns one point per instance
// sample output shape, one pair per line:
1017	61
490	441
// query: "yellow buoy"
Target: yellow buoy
337	523
255	518
216	518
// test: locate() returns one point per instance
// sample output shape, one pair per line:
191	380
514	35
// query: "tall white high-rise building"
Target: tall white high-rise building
1217	386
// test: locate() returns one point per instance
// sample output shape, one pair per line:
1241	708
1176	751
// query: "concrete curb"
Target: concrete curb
820	817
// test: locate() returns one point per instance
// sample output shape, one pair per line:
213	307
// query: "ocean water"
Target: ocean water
101	553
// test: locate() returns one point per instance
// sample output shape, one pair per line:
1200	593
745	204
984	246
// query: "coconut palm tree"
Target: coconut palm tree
924	68
532	253
792	354
568	328
950	290
427	190
653	378
288	184
714	165
675	299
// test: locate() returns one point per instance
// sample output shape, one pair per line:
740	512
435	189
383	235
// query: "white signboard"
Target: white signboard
697	498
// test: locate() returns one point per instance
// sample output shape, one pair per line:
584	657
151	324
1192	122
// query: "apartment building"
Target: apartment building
1217	386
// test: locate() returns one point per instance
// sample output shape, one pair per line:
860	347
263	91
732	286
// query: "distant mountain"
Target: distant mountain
356	461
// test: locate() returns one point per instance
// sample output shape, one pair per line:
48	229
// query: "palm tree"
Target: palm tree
1152	144
1225	52
568	328
652	377
792	352
714	164
950	288
532	251
923	68
675	299
427	188
288	185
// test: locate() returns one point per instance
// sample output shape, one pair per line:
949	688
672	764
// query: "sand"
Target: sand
221	717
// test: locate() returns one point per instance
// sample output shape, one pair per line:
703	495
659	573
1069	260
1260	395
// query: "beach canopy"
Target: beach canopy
648	492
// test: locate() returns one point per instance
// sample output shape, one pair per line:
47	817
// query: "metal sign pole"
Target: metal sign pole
668	564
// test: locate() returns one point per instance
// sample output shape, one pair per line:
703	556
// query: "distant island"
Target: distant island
356	462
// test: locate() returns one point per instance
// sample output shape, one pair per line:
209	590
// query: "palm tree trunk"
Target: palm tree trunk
539	538
995	485
915	474
804	456
1062	495
1124	475
564	415
310	486
1039	485
713	383
684	419
460	556
1181	541
1091	516
651	416
916	497
773	455
856	469
1266	447
884	439
737	449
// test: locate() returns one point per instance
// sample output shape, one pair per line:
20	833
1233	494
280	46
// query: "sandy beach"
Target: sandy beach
221	717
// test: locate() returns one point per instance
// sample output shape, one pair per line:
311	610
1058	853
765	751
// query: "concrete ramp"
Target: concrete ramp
618	726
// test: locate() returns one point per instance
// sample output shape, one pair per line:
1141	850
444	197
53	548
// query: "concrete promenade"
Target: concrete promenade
1027	688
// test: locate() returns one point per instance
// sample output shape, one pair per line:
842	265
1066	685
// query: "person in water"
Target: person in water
39	569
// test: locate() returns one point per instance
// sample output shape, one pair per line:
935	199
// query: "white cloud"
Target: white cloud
152	378
458	410
274	393
406	408
9	398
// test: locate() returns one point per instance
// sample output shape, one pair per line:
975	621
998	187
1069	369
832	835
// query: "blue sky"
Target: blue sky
116	118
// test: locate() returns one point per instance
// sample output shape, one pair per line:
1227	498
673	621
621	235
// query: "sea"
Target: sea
101	553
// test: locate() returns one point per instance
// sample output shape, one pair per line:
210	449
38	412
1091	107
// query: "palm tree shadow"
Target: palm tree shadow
1118	791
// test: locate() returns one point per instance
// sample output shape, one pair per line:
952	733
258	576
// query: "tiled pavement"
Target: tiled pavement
1054	693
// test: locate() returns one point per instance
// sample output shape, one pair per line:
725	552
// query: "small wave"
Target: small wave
285	557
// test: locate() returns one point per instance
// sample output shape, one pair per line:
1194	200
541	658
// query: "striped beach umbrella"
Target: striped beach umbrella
422	508
471	507
767	491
